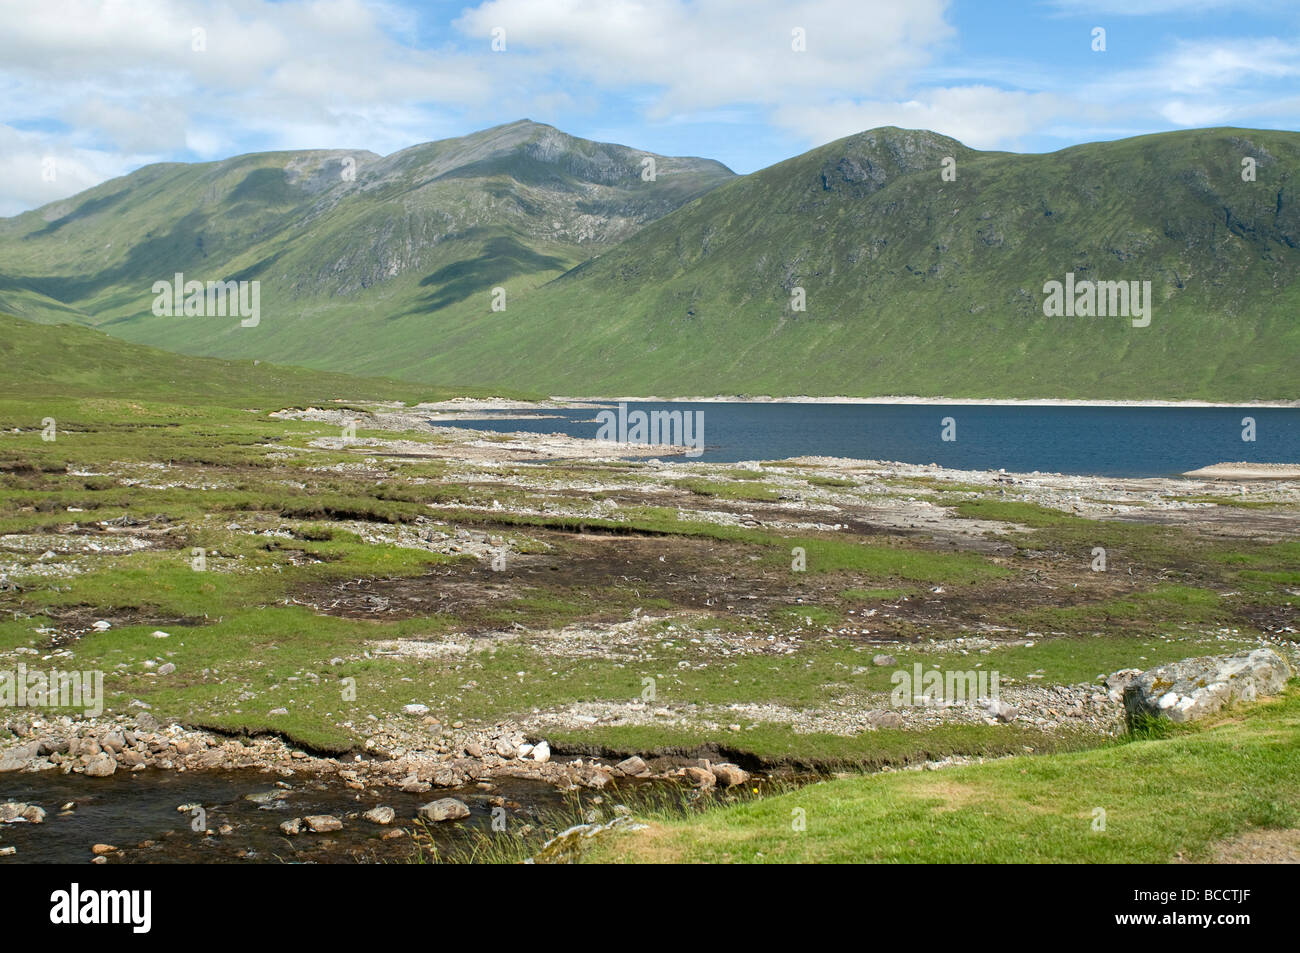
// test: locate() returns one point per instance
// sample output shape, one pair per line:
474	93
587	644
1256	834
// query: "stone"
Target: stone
113	742
633	767
166	668
1001	710
700	777
542	752
885	719
444	809
884	661
99	850
291	827
1118	682
323	823
18	812
444	775
729	775
101	766
380	815
1194	688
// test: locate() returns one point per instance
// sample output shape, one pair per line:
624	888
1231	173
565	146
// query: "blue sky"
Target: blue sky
91	90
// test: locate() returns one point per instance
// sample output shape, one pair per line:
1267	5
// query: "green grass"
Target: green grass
1163	797
779	745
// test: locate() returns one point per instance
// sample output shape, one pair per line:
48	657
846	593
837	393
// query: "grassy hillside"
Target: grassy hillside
914	284
59	363
355	253
1185	796
919	286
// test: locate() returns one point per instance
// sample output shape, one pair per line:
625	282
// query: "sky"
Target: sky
93	90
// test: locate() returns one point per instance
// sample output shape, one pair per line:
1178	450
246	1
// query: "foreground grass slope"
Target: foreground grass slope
46	366
1164	799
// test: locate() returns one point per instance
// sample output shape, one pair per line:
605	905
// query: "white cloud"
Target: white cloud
124	78
103	85
703	55
31	174
982	117
1203	82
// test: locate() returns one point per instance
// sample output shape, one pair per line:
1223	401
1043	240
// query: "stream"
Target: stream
137	813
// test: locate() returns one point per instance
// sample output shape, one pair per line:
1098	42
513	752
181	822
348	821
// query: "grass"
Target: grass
217	473
1162	798
778	745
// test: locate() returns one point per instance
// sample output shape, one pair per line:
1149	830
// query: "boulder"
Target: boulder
16	811
445	776
101	766
633	767
884	661
1117	682
444	809
291	827
1194	688
323	823
1000	710
380	815
700	777
729	775
881	718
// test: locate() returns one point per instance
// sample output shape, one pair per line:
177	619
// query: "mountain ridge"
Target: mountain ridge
912	282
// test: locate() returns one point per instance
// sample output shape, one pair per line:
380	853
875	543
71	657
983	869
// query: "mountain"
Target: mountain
914	283
349	248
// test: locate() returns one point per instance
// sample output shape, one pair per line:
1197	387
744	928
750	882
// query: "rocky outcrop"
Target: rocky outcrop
1194	688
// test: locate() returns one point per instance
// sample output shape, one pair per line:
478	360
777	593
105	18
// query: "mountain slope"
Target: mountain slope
361	246
67	362
915	285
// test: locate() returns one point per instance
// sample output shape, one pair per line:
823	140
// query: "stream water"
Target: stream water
137	812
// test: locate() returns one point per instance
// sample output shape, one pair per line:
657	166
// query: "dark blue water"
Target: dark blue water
1110	441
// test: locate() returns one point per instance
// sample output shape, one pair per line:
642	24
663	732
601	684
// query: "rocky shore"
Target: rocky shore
98	748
